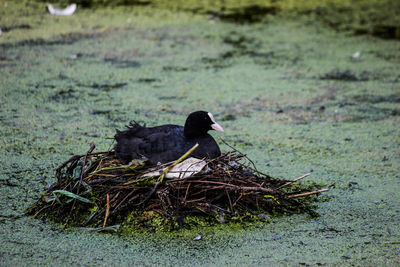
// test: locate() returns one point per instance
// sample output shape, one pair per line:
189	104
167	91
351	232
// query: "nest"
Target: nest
95	190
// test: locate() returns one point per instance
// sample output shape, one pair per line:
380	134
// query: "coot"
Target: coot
167	143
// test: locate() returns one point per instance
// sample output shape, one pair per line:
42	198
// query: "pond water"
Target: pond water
294	91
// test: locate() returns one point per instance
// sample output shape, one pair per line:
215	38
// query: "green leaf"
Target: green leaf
72	195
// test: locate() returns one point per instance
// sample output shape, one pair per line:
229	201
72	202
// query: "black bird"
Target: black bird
169	142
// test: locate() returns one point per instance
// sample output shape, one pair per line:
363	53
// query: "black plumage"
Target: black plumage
167	143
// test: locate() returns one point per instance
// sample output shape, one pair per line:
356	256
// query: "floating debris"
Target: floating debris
356	55
68	11
346	75
94	190
197	238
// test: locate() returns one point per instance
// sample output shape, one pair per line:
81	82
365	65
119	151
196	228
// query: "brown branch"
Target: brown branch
292	181
186	194
308	193
229	199
107	210
122	201
243	188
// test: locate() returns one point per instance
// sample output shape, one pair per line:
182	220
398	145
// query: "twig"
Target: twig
292	181
308	193
195	200
107	210
122	201
92	146
44	207
187	191
149	195
230	202
254	168
130	166
243	188
209	205
114	198
237	200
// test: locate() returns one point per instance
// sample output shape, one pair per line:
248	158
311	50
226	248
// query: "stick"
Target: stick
186	194
129	166
122	201
92	146
254	168
295	180
244	188
107	210
308	193
230	202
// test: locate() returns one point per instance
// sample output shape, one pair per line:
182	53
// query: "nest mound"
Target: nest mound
95	190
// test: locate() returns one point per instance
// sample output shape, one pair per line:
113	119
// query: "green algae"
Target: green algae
51	108
25	22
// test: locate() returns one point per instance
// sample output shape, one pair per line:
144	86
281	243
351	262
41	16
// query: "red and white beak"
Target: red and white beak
215	126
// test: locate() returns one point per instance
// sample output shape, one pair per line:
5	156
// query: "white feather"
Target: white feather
68	11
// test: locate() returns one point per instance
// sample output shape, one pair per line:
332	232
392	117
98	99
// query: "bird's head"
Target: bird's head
199	123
